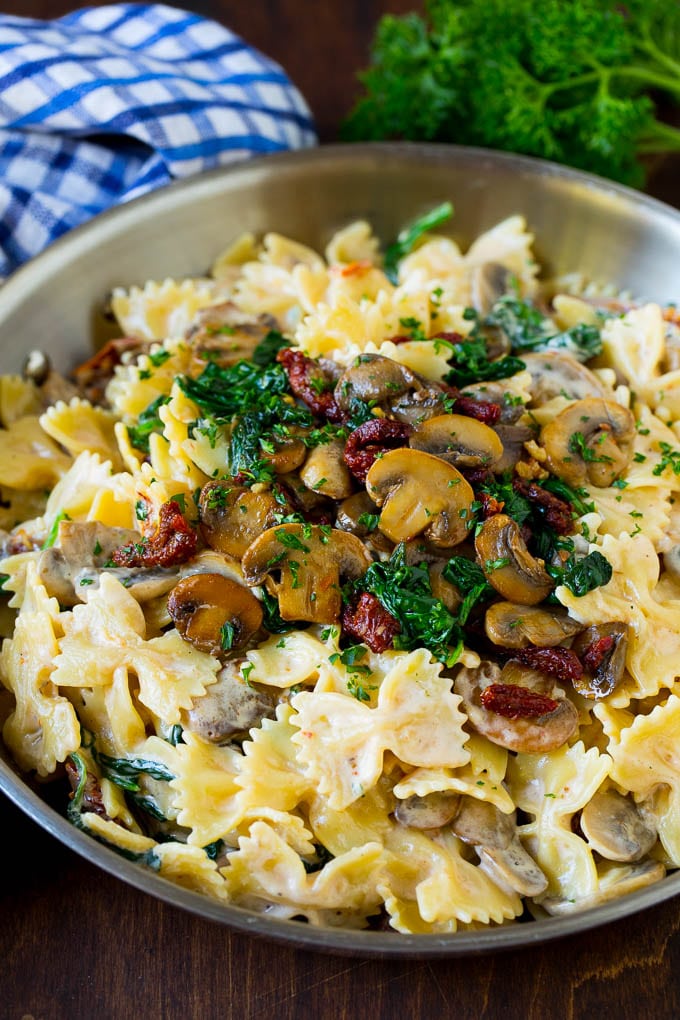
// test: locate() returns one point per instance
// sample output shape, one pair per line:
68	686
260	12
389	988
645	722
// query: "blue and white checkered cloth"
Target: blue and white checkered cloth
106	103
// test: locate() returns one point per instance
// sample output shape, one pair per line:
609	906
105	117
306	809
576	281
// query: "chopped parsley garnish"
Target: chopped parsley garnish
670	458
578	445
469	358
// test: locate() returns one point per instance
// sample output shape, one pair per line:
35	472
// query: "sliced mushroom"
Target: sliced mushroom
591	440
214	613
225	334
432	811
616	828
325	471
496	393
496	841
385	383
233	516
555	374
353	515
533	734
488	283
513	438
420	494
507	563
229	706
517	626
309	562
71	569
618	881
52	385
285	455
606	673
459	440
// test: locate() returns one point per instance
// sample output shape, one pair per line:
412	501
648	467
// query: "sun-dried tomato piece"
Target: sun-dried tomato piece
173	542
556	512
490	505
483	410
597	652
93	376
561	663
368	621
515	702
92	795
310	383
372	438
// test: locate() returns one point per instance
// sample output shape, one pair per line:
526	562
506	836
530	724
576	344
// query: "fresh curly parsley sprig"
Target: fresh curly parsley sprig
567	80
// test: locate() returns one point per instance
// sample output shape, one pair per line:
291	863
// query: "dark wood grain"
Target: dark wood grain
75	944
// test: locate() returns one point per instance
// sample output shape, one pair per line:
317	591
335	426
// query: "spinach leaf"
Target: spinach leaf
411	234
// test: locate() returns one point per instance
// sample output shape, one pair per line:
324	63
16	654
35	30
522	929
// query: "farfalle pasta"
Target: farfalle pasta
346	586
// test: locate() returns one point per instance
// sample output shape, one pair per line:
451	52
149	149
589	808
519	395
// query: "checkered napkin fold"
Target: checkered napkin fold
107	103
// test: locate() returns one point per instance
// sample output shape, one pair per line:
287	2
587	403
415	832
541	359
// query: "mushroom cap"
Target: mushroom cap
591	440
459	440
388	384
228	706
214	613
420	493
326	472
615	827
233	516
513	625
488	283
554	374
310	561
432	811
535	734
507	563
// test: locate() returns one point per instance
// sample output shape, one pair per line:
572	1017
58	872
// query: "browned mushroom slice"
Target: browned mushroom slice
496	841
303	565
591	440
459	440
555	374
385	383
616	828
226	335
420	494
513	438
488	283
357	515
71	569
517	626
285	455
233	516
507	563
214	613
229	706
325	471
602	650
432	811
529	734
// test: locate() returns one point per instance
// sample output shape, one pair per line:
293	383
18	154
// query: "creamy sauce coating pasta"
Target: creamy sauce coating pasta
353	597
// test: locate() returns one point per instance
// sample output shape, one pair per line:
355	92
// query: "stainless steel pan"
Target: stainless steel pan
57	302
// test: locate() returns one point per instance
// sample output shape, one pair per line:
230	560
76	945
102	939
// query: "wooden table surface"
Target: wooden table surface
75	944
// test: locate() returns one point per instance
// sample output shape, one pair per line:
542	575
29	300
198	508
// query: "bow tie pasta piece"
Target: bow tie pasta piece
646	760
43	729
653	657
553	787
110	712
206	789
83	487
266	869
341	741
160	310
29	458
430	873
269	772
108	632
190	867
78	426
633	344
289	659
481	778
